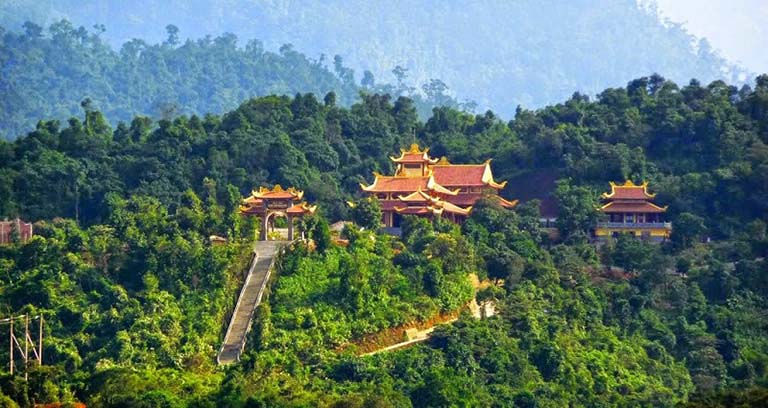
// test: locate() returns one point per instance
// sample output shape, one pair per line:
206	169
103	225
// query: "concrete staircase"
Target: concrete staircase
250	297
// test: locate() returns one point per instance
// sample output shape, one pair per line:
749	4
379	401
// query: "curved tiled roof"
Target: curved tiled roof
414	155
632	207
629	191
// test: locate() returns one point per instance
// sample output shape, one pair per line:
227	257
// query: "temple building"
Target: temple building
276	202
426	186
22	230
628	209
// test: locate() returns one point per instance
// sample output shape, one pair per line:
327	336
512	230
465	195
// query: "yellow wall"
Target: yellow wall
655	232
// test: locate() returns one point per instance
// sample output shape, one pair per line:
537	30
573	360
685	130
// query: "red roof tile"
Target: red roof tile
459	175
399	184
413	210
629	191
277	195
465	199
631	207
302	208
412	158
414	155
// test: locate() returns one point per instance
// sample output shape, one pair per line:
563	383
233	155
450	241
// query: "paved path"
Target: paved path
250	297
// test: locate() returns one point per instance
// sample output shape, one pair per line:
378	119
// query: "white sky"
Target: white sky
737	28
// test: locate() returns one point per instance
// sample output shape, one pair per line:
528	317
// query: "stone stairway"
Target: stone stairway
250	297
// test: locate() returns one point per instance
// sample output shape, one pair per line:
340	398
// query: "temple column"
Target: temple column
290	228
264	227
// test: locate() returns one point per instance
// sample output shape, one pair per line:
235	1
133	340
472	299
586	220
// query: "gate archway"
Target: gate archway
277	202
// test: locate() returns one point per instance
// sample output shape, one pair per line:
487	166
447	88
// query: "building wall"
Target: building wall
6	229
654	233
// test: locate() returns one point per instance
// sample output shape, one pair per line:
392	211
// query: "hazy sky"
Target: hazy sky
738	28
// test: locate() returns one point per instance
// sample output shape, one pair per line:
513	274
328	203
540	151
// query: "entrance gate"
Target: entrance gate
277	202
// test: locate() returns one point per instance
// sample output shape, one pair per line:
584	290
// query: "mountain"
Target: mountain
497	53
136	296
59	71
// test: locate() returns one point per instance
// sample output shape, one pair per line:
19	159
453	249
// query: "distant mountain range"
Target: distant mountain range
500	54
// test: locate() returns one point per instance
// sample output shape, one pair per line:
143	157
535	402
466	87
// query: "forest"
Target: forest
48	72
136	298
499	54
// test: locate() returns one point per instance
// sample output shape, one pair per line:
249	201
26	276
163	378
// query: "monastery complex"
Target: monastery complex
427	186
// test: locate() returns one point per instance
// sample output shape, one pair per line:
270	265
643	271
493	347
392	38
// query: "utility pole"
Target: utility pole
40	343
26	347
11	343
37	352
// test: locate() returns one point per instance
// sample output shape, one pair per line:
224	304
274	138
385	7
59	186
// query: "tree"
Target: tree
368	82
321	234
102	244
633	254
505	264
577	208
173	35
366	212
687	229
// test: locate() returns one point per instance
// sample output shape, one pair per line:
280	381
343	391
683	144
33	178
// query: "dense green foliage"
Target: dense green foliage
136	300
343	294
138	296
51	74
48	75
498	53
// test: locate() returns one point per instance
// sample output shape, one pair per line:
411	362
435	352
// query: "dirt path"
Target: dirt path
415	335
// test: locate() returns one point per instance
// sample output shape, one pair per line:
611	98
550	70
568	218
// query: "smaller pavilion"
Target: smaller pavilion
277	202
629	209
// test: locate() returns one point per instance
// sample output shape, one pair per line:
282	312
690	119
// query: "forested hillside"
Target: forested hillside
54	72
47	73
136	298
497	53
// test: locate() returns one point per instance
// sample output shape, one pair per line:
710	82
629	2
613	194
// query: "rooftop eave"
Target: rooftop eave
627	184
487	178
432	185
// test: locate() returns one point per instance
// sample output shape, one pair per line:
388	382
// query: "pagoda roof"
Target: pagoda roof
251	200
258	202
430	204
436	207
452	208
505	203
628	191
468	199
416	196
632	207
406	184
418	210
471	175
277	192
252	210
301	208
414	155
